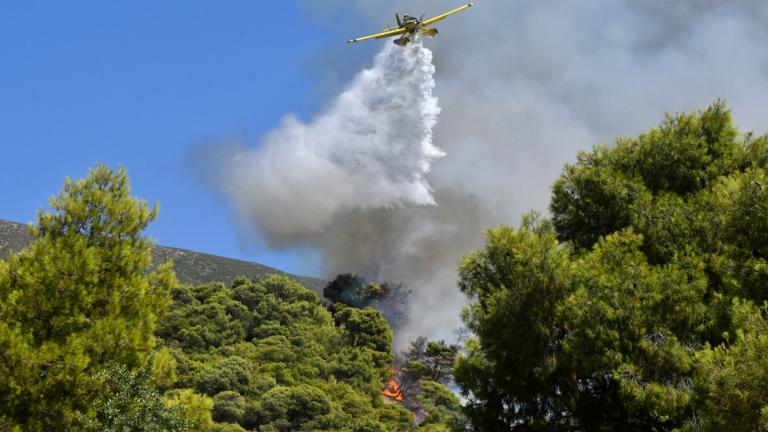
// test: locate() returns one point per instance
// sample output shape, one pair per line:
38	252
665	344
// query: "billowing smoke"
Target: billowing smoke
370	149
524	85
353	178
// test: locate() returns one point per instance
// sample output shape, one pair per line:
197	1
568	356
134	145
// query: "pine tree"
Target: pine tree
81	296
638	306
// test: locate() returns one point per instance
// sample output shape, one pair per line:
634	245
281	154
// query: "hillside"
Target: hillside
191	267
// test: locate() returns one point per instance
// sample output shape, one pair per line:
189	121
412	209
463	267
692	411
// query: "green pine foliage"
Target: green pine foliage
388	298
443	406
732	377
129	402
273	358
640	306
93	338
79	298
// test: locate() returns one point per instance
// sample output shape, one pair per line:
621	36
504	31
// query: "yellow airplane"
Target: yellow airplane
409	27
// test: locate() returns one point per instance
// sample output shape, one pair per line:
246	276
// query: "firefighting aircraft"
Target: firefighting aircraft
410	27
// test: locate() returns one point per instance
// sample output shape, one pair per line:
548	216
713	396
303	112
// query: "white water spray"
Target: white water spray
371	148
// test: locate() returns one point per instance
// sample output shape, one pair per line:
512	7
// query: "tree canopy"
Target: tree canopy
273	358
94	337
639	306
388	298
80	297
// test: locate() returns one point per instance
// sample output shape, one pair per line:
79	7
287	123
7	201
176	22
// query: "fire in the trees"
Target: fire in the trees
392	390
396	392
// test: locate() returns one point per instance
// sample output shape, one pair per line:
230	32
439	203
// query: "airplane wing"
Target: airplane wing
388	33
446	15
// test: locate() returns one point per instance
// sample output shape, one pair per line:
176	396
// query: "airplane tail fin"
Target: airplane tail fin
399	21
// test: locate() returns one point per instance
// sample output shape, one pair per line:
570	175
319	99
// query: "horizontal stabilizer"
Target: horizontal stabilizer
429	32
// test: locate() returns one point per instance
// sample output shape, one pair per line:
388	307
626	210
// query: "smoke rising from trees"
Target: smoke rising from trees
523	86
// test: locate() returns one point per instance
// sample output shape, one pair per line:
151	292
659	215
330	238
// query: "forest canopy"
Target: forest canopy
94	337
641	304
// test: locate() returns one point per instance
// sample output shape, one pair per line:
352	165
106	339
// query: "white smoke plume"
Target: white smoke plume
370	149
523	86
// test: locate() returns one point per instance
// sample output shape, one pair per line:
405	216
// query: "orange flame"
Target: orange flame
392	390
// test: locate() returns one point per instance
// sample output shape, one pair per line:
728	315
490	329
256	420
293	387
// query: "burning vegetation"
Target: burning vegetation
392	390
420	382
419	377
396	393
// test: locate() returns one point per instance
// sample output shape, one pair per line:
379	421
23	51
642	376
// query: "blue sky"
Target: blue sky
140	84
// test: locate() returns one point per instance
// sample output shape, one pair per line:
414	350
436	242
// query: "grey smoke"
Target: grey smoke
524	85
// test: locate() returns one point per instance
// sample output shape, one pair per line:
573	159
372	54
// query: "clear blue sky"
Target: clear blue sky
141	83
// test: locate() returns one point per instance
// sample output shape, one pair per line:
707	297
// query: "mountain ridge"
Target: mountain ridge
191	267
